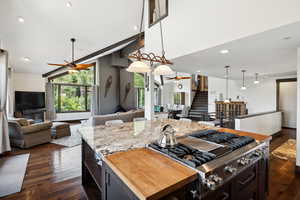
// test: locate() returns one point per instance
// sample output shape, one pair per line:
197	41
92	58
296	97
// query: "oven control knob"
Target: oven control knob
230	169
210	184
216	179
258	153
243	161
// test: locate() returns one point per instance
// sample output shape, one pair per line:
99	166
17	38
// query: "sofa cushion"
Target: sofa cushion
126	117
36	127
101	119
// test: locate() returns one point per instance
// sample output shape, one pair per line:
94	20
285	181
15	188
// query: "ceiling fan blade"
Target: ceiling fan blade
186	77
61	65
83	66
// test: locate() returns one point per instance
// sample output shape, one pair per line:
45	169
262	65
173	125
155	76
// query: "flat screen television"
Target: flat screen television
29	100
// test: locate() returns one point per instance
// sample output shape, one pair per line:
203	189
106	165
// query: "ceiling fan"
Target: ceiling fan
178	78
73	67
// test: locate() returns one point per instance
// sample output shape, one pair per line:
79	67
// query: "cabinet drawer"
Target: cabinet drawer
93	163
247	178
223	193
246	184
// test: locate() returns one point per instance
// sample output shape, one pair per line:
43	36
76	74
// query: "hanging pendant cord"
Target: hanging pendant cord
141	23
226	83
161	30
73	51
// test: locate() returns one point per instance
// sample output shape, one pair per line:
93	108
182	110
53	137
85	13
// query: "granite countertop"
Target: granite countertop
106	140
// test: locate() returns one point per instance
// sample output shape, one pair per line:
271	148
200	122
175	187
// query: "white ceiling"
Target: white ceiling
49	25
266	53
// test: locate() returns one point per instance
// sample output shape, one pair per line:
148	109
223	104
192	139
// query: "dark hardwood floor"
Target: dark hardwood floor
54	172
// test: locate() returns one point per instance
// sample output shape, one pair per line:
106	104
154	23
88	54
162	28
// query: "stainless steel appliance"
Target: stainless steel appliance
218	157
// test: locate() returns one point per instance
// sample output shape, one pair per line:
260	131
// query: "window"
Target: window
154	16
179	98
139	89
73	92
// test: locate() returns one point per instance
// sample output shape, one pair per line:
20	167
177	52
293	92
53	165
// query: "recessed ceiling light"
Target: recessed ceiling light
224	51
26	59
21	19
69	4
135	27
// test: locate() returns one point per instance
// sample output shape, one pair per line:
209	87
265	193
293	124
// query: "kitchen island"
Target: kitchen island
117	163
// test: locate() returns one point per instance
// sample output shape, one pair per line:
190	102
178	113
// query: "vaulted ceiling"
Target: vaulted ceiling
49	24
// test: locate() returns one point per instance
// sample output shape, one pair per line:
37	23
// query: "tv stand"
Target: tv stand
36	114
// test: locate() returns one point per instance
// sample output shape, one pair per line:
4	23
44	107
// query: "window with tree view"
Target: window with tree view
139	89
73	92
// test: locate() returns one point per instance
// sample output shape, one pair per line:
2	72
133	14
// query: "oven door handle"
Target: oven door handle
248	179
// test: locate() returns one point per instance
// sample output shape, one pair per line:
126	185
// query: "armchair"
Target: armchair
29	135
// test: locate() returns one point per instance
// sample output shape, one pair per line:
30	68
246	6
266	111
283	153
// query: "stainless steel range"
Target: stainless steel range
218	157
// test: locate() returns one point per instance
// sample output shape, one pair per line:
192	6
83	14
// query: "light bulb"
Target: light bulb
163	70
139	67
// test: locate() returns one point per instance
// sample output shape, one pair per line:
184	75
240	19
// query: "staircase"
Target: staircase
199	108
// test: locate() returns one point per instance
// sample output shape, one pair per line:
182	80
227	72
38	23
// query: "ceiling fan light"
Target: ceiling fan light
72	71
163	70
139	67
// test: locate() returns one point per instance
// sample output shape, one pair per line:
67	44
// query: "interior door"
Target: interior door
288	103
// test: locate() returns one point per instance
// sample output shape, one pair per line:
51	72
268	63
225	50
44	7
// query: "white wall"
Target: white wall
267	124
288	103
28	82
196	25
171	86
259	97
216	86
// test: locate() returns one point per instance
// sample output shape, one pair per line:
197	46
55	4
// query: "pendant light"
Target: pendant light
139	66
256	79
227	100
243	86
162	69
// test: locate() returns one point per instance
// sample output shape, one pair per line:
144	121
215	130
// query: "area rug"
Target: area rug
12	172
70	141
287	151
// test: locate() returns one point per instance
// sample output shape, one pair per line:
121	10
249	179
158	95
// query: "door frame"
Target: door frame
278	81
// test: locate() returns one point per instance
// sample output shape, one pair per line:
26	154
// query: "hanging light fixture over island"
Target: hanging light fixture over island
140	66
227	100
243	86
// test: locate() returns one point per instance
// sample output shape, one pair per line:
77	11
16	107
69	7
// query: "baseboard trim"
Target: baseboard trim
288	128
297	169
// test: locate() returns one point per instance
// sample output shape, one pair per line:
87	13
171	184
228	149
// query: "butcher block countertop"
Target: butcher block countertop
148	174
